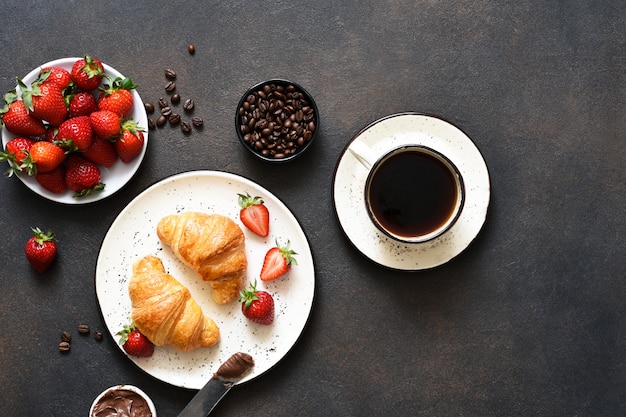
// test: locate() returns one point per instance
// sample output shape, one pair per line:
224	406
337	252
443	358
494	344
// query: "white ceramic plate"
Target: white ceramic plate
384	135
116	176
133	235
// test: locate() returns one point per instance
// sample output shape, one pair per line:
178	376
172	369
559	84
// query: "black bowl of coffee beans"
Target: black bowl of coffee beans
277	120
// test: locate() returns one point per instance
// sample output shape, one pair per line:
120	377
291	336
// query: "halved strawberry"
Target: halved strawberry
278	260
87	73
82	176
105	124
117	97
53	181
17	119
135	343
130	143
101	152
254	214
257	306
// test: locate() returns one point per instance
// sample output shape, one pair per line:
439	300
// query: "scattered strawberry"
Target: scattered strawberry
87	73
57	76
44	101
53	181
75	134
82	176
254	214
15	152
17	119
257	306
277	262
117	97
105	124
101	152
130	143
82	103
41	249
135	343
44	156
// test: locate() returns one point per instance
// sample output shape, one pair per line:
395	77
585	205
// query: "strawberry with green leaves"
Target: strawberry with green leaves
53	181
17	119
75	134
135	343
41	249
43	156
105	124
87	73
83	177
130	143
57	76
257	305
254	214
15	152
117	96
44	101
278	260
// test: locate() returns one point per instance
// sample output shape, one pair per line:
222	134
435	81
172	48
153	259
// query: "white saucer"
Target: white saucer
391	132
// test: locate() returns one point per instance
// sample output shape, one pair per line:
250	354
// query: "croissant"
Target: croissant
212	245
164	310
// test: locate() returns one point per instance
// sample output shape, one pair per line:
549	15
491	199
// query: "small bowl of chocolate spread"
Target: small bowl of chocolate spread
123	401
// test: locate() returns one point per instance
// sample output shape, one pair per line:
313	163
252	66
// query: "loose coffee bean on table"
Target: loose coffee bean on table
64	347
170	86
175	98
189	104
83	329
170	74
277	120
66	337
197	121
184	126
160	122
163	102
174	119
166	111
151	124
97	336
149	107
191	49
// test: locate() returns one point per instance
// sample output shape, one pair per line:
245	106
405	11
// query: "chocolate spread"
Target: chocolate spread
234	367
121	403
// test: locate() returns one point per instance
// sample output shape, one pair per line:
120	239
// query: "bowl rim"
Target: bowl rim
282	81
125	387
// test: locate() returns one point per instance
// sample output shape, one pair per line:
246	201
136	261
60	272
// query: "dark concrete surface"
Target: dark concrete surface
529	320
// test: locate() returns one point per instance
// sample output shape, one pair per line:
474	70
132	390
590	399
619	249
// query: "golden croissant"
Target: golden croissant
212	245
164	310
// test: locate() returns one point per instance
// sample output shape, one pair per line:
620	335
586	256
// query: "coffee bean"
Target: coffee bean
170	74
191	49
184	126
170	86
188	104
66	337
277	120
175	98
97	336
149	107
162	102
64	347
166	111
151	124
174	119
83	329
160	122
197	121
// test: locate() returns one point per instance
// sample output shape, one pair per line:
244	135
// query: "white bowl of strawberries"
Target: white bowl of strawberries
74	130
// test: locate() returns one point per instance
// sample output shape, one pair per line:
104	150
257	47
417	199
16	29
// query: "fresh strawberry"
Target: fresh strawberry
75	134
56	75
41	249
257	306
254	214
44	102
117	97
17	119
87	73
82	103
130	143
101	152
44	157
51	133
135	343
277	262
105	124
53	181
15	152
82	176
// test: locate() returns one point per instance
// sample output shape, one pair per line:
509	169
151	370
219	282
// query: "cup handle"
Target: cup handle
362	153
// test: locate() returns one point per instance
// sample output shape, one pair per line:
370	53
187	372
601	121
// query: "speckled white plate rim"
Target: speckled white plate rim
115	177
133	234
390	132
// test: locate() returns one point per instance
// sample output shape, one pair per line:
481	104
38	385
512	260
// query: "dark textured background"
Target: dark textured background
530	320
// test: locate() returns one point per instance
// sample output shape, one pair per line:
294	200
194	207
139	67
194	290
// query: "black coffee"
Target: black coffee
412	194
